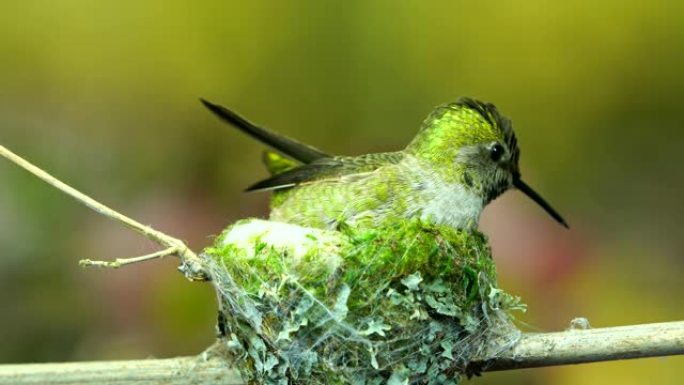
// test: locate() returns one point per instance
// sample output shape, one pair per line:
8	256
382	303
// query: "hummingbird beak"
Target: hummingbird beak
522	186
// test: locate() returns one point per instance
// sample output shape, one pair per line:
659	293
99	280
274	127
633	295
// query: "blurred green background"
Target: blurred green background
105	96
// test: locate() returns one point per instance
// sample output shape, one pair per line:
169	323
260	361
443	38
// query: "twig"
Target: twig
191	265
127	261
533	350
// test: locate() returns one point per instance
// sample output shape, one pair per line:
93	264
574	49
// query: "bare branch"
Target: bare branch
191	265
533	350
127	261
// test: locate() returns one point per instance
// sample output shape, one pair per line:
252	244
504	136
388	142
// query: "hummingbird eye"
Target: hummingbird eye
496	152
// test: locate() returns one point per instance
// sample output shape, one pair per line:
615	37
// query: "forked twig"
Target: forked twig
191	265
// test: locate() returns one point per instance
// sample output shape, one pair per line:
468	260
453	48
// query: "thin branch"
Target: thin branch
191	265
533	350
127	261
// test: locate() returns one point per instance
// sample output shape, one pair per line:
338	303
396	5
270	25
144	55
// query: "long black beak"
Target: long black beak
522	186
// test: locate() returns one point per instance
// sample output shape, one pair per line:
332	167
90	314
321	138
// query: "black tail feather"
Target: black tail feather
290	147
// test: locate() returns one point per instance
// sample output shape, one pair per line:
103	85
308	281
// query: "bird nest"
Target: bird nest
403	304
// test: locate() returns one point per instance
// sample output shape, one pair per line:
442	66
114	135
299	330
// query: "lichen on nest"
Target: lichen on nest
404	304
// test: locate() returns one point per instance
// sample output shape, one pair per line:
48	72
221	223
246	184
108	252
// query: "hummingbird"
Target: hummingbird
464	156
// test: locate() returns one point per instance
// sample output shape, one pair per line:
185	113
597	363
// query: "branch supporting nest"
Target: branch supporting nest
533	350
576	346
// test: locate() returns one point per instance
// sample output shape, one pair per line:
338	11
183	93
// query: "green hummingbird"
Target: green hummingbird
464	156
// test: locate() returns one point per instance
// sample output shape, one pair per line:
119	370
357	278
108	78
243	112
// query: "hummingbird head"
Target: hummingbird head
469	142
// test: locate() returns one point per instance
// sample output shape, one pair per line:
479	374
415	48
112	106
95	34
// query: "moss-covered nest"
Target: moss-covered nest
406	304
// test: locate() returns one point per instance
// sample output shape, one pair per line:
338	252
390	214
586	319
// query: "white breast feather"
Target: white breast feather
444	203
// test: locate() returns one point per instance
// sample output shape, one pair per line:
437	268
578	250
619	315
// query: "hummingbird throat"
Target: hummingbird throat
445	202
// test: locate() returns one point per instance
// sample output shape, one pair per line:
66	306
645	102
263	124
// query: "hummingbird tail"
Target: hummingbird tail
290	147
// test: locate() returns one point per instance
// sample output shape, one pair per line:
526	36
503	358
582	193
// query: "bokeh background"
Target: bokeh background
105	96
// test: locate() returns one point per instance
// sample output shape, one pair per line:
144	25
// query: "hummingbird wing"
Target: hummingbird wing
337	169
290	147
317	165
